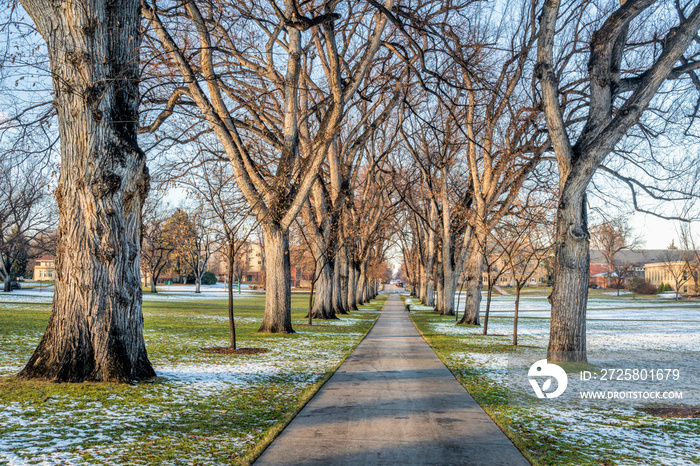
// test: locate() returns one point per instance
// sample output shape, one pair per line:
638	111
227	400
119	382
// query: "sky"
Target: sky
657	233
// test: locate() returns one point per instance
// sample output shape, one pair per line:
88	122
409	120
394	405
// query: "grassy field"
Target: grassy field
602	434
202	409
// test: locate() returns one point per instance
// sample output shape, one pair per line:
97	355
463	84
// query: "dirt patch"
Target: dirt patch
229	350
679	411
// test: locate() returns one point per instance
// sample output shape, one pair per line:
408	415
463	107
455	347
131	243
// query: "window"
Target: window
259	262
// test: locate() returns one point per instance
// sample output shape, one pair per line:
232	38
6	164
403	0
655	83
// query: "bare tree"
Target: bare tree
621	272
676	269
24	214
95	331
691	256
201	241
232	50
494	264
218	195
155	248
525	242
611	237
178	233
612	103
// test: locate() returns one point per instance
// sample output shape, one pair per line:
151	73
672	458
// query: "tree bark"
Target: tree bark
352	286
488	307
360	286
336	290
95	331
231	320
472	302
7	283
448	290
569	298
439	290
278	286
323	302
515	316
344	279
423	285
153	284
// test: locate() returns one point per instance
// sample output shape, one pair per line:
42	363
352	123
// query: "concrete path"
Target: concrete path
392	402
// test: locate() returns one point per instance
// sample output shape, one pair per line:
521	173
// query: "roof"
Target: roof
628	256
47	258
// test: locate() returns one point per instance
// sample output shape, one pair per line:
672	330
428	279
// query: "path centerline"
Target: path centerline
392	402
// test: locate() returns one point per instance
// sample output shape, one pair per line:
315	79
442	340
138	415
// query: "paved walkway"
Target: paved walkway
392	402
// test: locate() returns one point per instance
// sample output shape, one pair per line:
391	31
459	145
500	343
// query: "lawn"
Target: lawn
202	409
605	433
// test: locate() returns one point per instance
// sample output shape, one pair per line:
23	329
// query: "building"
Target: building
254	261
45	269
249	264
539	276
670	273
638	260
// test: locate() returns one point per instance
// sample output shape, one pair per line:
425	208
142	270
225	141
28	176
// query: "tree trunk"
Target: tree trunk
352	286
344	279
323	303
231	320
440	299
278	281
361	283
154	289
310	314
518	288
569	298
488	307
198	284
448	288
430	293
423	290
472	302
95	331
7	283
337	293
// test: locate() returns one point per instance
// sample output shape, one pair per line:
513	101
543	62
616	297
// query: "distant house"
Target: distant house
45	269
250	271
668	272
254	260
639	259
598	274
538	278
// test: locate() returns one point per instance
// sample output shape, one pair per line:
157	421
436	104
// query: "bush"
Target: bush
646	288
208	278
636	283
664	287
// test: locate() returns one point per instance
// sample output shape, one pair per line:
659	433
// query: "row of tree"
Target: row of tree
351	121
547	83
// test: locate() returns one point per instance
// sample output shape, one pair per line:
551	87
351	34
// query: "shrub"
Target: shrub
646	288
636	283
208	278
664	287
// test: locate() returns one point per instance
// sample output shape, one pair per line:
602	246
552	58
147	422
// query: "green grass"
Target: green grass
202	409
569	436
